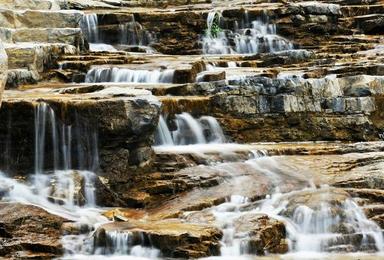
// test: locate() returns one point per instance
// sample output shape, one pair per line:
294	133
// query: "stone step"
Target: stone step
71	36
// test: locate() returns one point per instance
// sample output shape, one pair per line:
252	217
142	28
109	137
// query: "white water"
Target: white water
258	36
128	75
205	130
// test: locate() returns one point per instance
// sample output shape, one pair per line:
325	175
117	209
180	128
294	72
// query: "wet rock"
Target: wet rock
29	230
172	237
263	234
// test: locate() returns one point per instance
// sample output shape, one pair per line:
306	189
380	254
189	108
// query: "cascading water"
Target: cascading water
89	25
126	243
317	220
189	131
130	76
258	36
131	33
64	141
55	186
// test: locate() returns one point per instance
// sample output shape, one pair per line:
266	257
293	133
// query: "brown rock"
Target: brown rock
29	230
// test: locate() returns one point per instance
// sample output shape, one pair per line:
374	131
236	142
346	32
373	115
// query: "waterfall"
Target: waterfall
189	131
89	25
163	135
79	139
258	36
130	76
215	40
132	33
55	140
126	243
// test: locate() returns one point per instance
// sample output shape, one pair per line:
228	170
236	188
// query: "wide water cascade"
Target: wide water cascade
129	76
189	130
318	220
247	37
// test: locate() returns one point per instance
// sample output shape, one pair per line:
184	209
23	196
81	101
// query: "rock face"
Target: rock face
29	232
3	70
